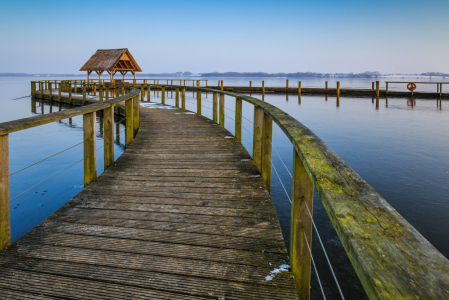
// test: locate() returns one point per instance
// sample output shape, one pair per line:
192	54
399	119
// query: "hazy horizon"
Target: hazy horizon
242	36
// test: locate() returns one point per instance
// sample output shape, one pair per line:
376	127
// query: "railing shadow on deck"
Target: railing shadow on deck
391	258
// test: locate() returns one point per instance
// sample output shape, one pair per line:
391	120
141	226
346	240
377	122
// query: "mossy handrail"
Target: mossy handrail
391	258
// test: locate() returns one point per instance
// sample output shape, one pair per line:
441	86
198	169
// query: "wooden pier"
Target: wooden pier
186	213
182	214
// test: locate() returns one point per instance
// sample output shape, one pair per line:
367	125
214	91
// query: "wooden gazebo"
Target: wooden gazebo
111	61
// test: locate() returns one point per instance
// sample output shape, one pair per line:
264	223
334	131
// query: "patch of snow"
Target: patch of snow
246	159
254	176
282	268
228	137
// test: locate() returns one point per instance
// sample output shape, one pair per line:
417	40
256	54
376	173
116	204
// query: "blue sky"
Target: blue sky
207	36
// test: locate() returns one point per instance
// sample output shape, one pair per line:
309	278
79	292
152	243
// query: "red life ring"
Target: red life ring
411	86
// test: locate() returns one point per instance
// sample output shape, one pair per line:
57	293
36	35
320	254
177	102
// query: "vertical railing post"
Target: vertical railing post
299	87
59	92
338	87
101	93
222	110
238	119
5	221
84	95
33	88
69	86
142	93
386	88
108	135
183	97
198	102
267	132
257	137
136	118
90	148
41	90
129	124
50	91
377	88
106	93
148	93
163	95
215	108
301	227
94	86
177	97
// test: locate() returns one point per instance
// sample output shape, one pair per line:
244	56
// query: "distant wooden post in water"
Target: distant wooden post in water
338	87
299	87
377	89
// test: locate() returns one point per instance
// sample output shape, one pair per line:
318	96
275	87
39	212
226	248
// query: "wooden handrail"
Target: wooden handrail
21	124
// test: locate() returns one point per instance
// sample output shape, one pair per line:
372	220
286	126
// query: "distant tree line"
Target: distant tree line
434	74
297	74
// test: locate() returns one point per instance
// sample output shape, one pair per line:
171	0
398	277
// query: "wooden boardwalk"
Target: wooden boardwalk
182	214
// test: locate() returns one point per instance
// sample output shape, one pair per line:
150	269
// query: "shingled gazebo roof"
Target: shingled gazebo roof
111	60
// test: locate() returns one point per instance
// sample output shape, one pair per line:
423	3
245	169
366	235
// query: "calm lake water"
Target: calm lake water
400	150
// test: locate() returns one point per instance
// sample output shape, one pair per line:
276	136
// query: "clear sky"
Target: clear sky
395	36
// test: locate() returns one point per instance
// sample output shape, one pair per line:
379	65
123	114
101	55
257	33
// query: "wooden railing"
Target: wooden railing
391	258
129	97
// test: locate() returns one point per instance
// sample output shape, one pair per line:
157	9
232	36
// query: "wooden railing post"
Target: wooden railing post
59	92
257	137
108	135
106	93
69	86
163	95
267	133
238	119
299	87
90	148
222	110
33	89
84	95
41	90
377	88
129	124
5	222
198	102
183	97
177	97
142	93
338	87
215	107
136	119
148	93
301	227
95	88
50	92
101	93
